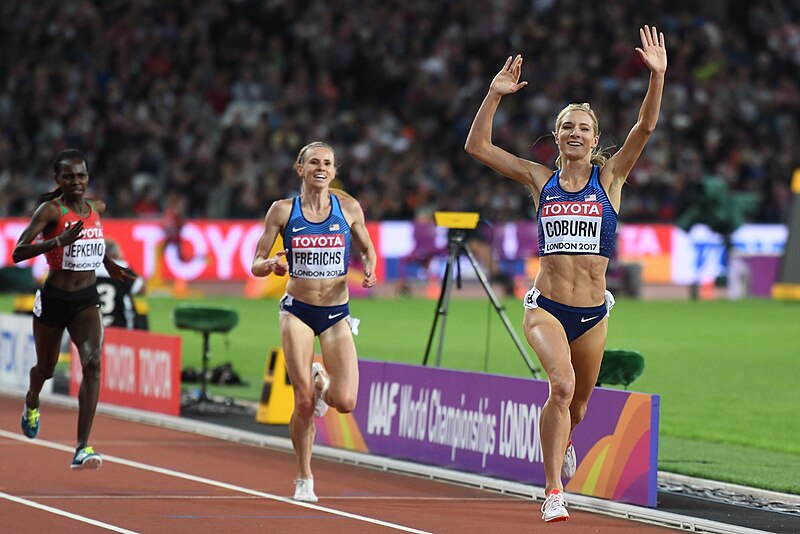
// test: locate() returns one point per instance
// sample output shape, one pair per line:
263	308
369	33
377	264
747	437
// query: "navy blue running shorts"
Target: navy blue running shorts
318	318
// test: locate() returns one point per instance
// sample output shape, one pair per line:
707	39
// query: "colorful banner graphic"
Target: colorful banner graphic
17	351
651	246
489	424
138	369
223	249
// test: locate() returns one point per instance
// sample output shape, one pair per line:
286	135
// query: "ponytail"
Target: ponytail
341	193
50	195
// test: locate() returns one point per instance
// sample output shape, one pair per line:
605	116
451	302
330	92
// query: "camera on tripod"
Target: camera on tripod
459	222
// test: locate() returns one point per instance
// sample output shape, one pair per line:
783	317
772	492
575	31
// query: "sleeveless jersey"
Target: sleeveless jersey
317	250
85	254
576	223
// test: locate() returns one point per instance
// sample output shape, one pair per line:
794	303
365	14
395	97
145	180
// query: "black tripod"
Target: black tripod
457	246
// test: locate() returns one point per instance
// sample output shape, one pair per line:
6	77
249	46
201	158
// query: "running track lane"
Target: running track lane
160	480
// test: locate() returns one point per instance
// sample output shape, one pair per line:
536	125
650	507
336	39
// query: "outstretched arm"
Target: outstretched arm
654	54
479	141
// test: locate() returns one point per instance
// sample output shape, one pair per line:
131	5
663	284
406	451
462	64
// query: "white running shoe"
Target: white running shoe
304	490
554	508
570	464
320	406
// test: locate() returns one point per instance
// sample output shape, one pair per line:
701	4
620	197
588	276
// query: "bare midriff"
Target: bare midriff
319	292
574	280
71	280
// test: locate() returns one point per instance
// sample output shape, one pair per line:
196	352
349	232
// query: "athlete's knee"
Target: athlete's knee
303	405
345	403
90	363
45	372
562	388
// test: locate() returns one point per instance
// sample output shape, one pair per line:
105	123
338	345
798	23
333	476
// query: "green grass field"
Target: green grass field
726	371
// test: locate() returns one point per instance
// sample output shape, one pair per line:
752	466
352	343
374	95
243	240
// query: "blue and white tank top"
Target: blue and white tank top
317	250
576	223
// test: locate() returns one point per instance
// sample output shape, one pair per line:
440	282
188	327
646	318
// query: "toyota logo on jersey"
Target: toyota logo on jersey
572	227
318	256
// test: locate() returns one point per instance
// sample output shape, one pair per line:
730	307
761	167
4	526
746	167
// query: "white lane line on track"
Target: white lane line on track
182	497
70	515
215	483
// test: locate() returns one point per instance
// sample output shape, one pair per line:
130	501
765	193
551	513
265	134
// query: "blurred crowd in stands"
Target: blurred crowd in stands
211	100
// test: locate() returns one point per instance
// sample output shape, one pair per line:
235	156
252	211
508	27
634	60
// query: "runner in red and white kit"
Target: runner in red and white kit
317	228
73	243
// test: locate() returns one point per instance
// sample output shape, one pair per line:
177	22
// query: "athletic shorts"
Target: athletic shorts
318	318
576	321
56	307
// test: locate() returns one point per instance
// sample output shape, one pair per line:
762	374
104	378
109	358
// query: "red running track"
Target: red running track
160	480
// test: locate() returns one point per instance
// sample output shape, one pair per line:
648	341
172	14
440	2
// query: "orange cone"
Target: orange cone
520	286
180	289
433	289
707	290
156	281
254	287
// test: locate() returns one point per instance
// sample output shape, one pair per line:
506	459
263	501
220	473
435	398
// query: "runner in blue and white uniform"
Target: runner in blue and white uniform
566	310
317	228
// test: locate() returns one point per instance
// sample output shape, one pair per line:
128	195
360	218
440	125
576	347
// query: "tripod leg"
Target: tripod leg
453	259
441	308
436	315
204	372
500	311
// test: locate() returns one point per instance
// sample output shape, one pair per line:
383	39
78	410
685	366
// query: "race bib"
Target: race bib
572	227
87	253
318	256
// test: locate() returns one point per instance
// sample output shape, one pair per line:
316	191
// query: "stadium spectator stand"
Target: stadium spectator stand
211	100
